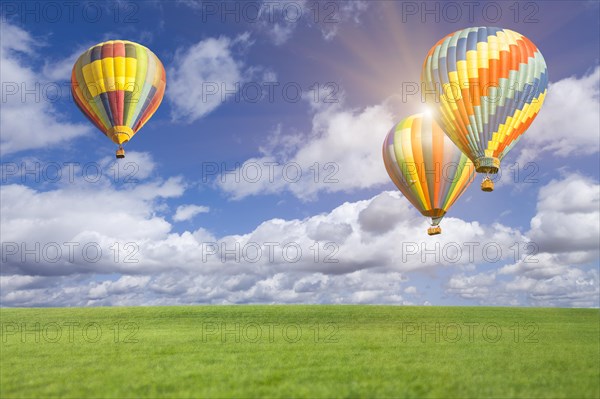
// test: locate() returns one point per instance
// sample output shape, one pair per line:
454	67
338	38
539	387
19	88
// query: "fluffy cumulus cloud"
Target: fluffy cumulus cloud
568	215
317	161
187	212
73	226
102	242
565	128
202	74
30	118
555	285
341	153
558	265
56	243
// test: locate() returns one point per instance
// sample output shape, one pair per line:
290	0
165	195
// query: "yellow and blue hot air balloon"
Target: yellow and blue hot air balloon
118	85
489	85
426	166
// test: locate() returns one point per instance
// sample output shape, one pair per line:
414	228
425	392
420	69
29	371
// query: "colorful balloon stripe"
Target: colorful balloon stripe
489	85
426	166
118	85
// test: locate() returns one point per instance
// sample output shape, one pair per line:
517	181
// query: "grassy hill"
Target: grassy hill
300	351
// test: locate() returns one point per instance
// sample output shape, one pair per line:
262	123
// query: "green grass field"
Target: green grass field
300	351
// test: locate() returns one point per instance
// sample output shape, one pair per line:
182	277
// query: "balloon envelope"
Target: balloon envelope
489	85
426	166
118	85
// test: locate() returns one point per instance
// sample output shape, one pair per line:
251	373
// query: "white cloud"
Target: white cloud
137	166
341	153
561	129
280	33
572	287
84	208
341	259
477	286
60	70
201	75
21	42
344	235
187	212
30	120
282	19
410	290
558	264
568	123
360	252
345	12
555	285
568	216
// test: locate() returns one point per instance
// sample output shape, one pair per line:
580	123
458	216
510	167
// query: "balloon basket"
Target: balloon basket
487	185
120	153
434	230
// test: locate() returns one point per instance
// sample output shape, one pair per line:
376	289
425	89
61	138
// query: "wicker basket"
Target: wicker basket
434	230
487	185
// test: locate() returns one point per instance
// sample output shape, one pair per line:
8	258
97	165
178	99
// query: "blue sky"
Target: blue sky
355	63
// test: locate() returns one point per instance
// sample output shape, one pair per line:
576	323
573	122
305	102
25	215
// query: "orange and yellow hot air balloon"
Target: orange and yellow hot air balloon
489	85
118	85
426	166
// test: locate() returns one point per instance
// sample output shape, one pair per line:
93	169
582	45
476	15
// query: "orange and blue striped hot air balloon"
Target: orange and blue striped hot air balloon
489	85
426	166
118	85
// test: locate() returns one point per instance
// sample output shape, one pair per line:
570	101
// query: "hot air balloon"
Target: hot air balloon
489	85
118	85
426	167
